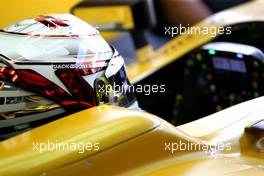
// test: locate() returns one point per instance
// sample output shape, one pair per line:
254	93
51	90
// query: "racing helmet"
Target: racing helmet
54	65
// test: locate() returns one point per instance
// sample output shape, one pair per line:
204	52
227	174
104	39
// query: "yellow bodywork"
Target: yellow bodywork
132	142
120	15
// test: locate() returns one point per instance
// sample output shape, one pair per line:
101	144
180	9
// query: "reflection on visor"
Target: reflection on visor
115	90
